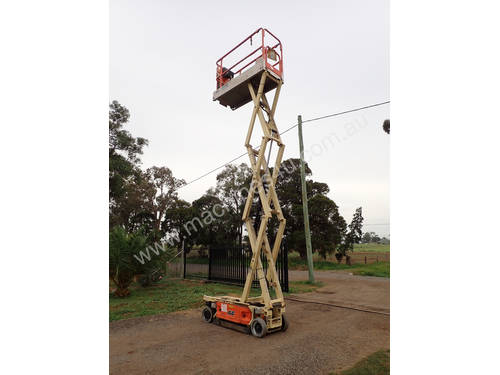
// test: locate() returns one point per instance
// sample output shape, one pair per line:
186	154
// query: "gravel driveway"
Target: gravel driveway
321	338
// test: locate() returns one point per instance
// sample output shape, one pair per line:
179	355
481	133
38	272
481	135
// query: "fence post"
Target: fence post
365	259
183	261
285	268
241	272
209	264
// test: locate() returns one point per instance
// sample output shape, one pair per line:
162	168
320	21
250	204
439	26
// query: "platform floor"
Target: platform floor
235	94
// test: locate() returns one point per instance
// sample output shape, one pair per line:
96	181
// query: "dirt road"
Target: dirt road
320	339
340	287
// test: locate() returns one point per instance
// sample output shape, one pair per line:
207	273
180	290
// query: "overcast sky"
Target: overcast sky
336	57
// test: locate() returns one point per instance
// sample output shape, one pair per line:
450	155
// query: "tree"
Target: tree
356	226
124	151
370	237
384	240
232	190
353	236
152	262
134	208
327	225
367	237
387	126
214	230
132	254
165	192
175	225
138	201
128	187
145	200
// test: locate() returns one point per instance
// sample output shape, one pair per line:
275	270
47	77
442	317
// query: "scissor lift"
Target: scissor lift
248	80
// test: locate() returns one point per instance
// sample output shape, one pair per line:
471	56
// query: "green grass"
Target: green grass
381	269
372	247
303	286
377	363
165	297
174	295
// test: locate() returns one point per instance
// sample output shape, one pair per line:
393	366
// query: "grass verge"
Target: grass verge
303	286
381	269
377	363
171	295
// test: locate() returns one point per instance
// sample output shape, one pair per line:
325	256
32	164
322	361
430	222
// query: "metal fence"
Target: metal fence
195	264
231	265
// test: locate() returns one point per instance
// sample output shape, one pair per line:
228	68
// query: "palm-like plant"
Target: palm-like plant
122	264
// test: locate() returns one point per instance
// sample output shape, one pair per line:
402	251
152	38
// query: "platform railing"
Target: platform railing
262	51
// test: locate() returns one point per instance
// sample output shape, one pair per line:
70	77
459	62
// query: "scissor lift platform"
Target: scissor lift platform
235	94
232	82
248	80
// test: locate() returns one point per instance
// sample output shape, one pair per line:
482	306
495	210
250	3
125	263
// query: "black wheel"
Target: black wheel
258	327
207	315
284	323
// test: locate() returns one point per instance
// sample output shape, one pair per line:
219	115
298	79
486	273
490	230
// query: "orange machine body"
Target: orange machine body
234	313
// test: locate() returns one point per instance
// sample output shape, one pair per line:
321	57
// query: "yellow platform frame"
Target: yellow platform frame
271	309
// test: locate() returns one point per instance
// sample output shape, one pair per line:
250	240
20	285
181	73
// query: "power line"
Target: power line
348	111
212	171
283	132
336	114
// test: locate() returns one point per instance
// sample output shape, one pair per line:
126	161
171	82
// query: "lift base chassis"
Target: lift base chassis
244	314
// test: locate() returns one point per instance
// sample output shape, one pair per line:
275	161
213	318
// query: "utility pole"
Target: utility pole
304	205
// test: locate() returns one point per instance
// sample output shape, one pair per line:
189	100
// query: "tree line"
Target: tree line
145	210
373	237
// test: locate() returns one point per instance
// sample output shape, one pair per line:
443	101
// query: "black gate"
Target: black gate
231	265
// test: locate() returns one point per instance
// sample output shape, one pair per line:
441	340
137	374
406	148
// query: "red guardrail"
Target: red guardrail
267	52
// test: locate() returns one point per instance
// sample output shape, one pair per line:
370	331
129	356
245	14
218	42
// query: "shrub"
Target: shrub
122	264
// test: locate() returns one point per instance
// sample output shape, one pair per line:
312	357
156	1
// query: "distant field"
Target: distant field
380	269
372	248
366	252
193	257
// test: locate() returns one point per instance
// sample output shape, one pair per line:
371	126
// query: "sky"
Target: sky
335	58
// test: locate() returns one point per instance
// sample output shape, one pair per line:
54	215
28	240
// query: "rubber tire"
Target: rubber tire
284	323
207	314
258	327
